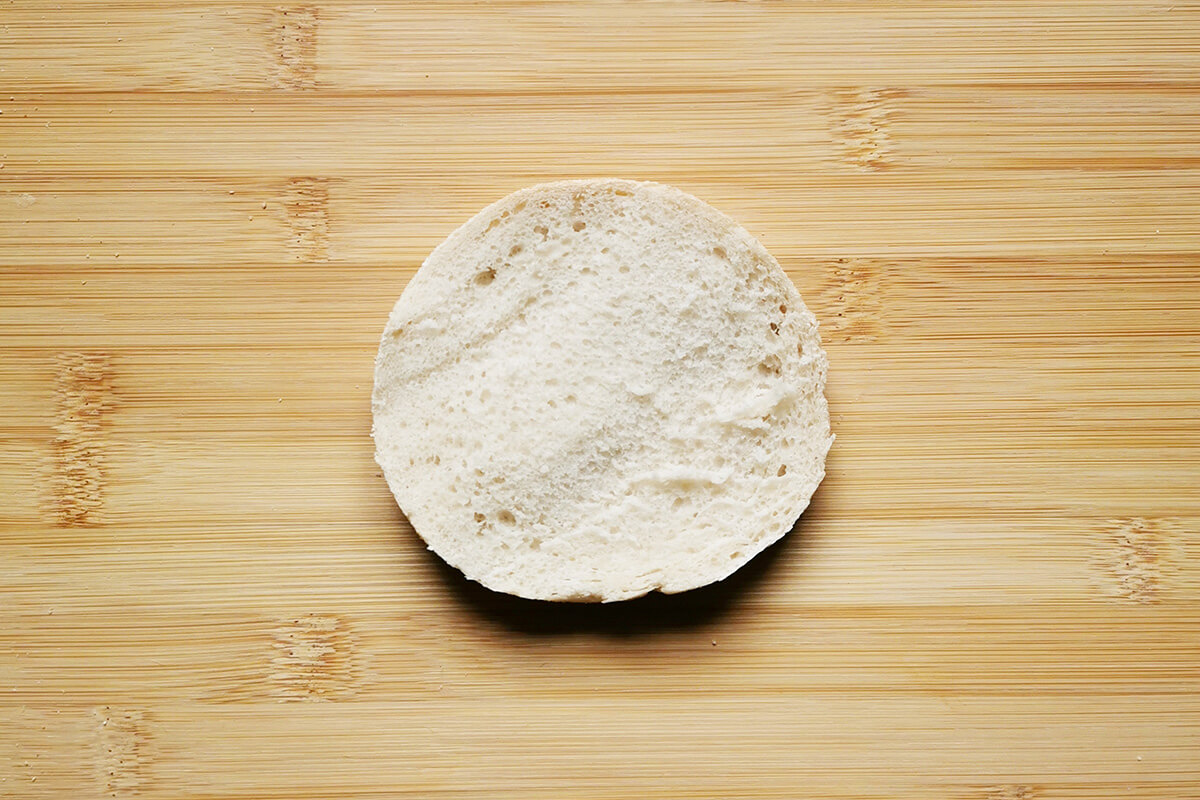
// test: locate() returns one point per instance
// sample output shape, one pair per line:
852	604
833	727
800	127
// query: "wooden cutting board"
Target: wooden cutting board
207	211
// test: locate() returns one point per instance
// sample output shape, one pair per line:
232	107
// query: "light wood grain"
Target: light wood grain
206	212
562	46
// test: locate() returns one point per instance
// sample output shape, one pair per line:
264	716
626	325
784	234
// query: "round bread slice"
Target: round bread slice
596	389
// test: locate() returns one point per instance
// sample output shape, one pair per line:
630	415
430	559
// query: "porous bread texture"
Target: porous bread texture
596	389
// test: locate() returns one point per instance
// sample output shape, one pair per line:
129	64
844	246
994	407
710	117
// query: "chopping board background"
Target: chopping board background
207	211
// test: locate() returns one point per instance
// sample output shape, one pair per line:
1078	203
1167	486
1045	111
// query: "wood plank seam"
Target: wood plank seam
850	301
124	745
78	451
295	40
1135	559
316	658
860	122
306	204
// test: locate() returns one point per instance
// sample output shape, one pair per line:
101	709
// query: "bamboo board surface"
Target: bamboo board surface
207	210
